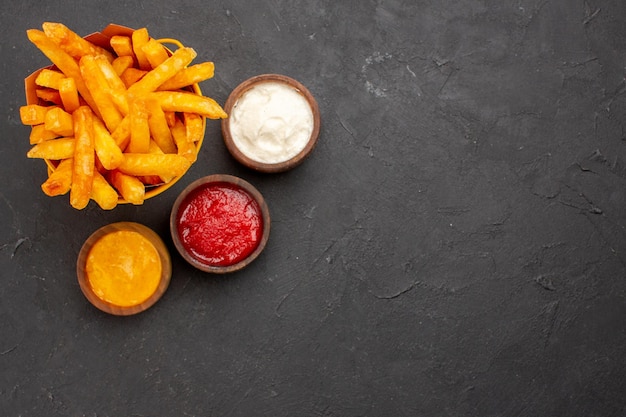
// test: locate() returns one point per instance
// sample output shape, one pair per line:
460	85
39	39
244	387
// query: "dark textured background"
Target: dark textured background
455	246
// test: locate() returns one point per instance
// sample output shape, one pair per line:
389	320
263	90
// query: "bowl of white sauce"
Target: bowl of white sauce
273	123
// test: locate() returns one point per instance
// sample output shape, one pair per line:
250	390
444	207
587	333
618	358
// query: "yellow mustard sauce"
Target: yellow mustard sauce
123	268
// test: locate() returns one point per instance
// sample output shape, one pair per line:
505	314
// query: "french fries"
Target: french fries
60	180
84	158
186	102
55	149
114	119
33	114
72	43
189	76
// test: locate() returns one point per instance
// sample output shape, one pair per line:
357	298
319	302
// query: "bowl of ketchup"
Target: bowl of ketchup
220	223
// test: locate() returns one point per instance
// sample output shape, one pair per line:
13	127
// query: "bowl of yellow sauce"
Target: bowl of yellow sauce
123	268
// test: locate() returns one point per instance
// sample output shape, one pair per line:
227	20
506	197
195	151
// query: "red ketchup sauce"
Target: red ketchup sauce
219	224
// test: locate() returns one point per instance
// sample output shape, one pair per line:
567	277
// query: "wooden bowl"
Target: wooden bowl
102	39
147	237
247	160
189	193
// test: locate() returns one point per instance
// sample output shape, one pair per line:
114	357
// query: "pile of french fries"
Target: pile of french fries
113	121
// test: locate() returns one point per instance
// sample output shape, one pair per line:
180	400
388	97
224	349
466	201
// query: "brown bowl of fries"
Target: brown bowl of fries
118	117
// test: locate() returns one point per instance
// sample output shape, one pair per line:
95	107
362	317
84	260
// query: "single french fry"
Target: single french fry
164	165
55	149
139	127
59	180
39	133
59	121
103	193
109	154
65	62
155	179
121	135
69	94
189	76
132	75
139	38
98	86
170	116
159	128
194	126
122	63
129	187
154	147
122	46
116	87
51	96
49	78
154	52
71	42
33	114
84	158
154	78
110	74
186	102
186	148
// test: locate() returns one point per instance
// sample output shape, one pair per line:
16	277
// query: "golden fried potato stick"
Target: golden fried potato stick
33	114
154	78
139	127
59	180
103	193
49	78
59	121
99	88
186	148
187	102
170	116
55	149
49	95
109	154
189	76
110	74
69	94
129	187
139	38
39	133
159	128
132	75
155	53
84	158
155	179
122	63
194	126
164	165
121	135
71	42
66	63
122	46
116	87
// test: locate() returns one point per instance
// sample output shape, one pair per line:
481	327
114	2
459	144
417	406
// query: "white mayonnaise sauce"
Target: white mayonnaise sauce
271	123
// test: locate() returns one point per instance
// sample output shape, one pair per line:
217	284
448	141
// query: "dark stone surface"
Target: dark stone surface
455	245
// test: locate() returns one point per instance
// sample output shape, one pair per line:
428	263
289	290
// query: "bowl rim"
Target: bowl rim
153	238
238	182
262	166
